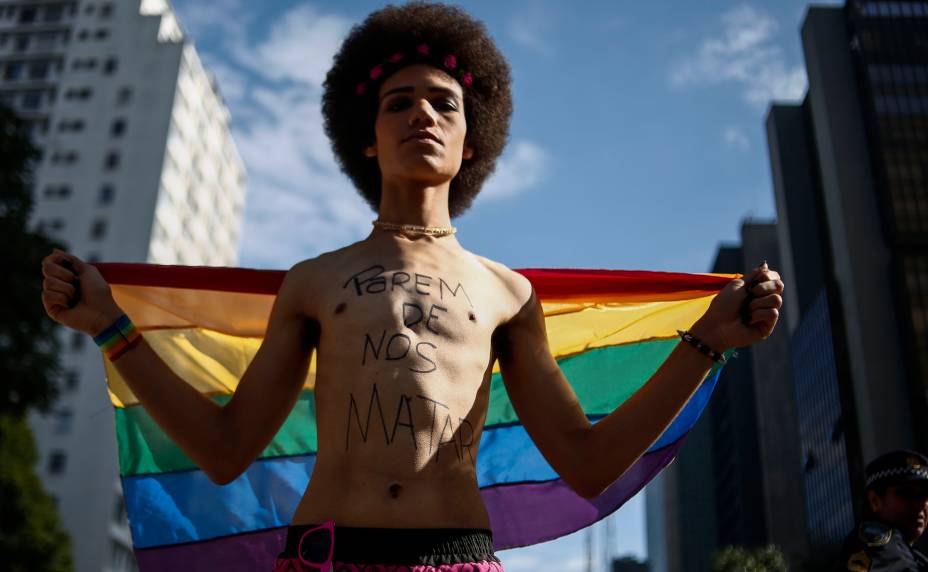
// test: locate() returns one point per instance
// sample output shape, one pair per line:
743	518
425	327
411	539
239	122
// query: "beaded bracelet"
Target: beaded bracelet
118	337
703	348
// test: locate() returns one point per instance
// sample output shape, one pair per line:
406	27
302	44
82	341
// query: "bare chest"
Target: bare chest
409	318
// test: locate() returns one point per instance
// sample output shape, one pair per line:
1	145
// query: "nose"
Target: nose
422	113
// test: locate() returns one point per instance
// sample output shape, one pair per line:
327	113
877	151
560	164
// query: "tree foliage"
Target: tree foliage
31	537
740	559
28	348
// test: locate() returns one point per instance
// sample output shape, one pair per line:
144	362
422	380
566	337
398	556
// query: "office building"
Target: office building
138	165
736	481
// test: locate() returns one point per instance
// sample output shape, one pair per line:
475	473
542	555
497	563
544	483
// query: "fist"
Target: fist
75	294
744	312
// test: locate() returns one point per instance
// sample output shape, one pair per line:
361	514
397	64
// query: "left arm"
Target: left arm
590	457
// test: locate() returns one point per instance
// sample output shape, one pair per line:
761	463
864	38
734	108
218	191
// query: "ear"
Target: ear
876	503
468	152
371	151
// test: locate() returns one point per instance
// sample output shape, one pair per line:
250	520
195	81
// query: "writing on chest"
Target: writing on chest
405	316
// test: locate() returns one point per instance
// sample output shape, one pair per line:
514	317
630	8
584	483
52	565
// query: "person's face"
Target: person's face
420	128
903	506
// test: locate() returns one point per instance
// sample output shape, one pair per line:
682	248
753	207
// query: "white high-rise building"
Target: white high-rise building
138	164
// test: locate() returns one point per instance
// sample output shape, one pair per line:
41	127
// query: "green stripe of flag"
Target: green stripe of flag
603	378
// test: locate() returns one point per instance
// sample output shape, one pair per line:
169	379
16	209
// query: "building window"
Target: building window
56	462
71	379
78	93
73	125
57	192
109	67
102	34
32	100
118	127
21	43
46	41
106	10
53	12
107	194
112	160
89	9
98	229
13	70
124	96
64	419
84	64
27	15
77	341
83	35
38	70
37	127
67	158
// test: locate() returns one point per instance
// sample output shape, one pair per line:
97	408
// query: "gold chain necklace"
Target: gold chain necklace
415	228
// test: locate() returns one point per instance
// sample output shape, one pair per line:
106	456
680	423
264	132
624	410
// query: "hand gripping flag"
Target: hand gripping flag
608	330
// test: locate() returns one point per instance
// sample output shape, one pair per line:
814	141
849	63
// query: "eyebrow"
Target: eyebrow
409	89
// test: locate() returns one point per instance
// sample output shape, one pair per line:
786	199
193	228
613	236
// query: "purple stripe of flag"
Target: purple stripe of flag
520	514
526	514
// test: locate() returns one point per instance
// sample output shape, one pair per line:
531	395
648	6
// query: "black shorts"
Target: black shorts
354	549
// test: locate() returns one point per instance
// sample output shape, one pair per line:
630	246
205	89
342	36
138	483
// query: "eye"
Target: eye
397	104
445	104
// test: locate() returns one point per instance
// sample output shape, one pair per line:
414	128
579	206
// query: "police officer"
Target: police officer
895	516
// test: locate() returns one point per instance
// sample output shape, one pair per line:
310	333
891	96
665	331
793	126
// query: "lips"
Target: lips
423	135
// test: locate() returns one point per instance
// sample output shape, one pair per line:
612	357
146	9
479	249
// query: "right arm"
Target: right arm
222	441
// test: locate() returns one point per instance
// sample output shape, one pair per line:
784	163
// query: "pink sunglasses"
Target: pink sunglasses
314	551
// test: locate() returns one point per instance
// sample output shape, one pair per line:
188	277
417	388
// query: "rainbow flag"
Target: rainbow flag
609	330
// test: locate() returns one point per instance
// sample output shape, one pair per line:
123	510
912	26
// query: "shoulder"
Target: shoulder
874	546
317	271
516	288
874	534
308	280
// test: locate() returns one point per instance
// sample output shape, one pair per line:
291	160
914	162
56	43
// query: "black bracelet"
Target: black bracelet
692	340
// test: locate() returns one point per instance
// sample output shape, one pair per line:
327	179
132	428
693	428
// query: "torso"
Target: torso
875	547
402	380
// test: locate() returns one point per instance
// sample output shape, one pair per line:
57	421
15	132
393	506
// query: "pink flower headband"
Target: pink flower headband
449	65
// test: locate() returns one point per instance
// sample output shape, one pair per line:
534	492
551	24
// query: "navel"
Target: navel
340	308
472	316
395	490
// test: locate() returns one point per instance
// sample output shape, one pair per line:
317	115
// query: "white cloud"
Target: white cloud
530	29
744	53
518	170
206	20
230	81
736	137
299	46
299	203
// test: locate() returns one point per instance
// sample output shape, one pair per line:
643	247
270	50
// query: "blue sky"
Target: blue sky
637	140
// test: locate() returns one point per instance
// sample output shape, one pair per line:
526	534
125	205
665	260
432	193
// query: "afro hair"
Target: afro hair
445	30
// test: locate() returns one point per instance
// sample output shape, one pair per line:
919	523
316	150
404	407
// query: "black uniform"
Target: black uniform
876	547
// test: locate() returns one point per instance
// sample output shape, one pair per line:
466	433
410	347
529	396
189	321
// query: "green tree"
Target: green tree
740	559
31	537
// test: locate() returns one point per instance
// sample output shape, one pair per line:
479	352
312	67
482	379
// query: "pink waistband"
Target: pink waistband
294	565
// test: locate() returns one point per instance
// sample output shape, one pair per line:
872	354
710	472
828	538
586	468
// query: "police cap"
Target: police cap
897	467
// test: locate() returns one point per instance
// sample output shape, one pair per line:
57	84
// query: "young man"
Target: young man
895	517
417	106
